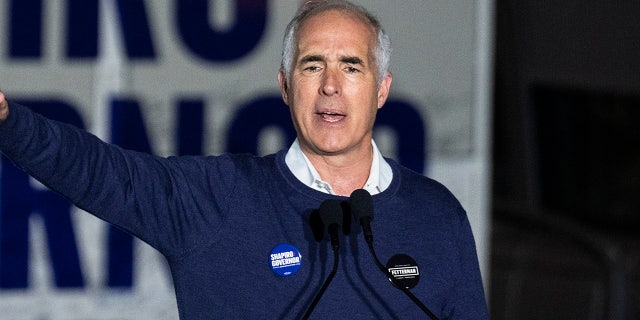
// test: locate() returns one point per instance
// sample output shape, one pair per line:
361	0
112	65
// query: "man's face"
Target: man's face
333	92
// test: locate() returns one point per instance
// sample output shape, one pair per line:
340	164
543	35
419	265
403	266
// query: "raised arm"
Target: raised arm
94	175
149	196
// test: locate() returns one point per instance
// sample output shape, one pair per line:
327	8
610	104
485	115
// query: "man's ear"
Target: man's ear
284	89
383	90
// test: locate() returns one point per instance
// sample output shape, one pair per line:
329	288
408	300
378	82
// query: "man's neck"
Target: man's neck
344	173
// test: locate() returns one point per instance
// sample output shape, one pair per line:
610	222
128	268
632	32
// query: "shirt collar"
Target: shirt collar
380	175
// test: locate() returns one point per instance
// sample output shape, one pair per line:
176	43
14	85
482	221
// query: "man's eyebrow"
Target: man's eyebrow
311	58
319	58
351	60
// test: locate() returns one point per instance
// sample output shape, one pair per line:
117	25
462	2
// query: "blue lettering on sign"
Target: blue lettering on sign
25	28
191	130
83	29
135	29
193	27
212	45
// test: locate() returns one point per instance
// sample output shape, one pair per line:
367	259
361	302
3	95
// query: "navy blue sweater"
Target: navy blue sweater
217	219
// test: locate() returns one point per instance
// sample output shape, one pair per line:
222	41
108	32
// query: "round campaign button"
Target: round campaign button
405	270
285	260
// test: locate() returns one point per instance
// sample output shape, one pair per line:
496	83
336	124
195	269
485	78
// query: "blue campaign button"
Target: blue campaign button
285	260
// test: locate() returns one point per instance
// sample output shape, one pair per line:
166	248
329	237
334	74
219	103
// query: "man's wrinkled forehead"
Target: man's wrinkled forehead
327	16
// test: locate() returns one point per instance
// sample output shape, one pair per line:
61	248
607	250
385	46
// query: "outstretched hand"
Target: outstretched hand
4	107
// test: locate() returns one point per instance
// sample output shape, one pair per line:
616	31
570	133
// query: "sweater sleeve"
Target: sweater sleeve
58	155
148	196
469	296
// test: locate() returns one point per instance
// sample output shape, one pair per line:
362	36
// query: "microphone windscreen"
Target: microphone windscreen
361	204
331	212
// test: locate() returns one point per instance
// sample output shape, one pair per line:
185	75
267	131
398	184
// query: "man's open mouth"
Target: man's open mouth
331	116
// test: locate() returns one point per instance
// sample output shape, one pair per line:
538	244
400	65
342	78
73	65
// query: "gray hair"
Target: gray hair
314	7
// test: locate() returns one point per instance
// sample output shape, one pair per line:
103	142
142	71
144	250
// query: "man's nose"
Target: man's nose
330	82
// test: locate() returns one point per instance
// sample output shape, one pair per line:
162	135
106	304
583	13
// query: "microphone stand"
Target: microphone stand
325	285
331	215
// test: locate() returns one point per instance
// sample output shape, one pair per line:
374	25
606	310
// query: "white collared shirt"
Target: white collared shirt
380	175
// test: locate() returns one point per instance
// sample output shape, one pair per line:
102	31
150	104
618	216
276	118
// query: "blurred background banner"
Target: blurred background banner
199	77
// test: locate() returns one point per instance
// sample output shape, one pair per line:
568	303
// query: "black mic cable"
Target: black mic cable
331	215
362	211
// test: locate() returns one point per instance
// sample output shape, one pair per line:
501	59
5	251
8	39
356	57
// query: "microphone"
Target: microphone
331	215
362	210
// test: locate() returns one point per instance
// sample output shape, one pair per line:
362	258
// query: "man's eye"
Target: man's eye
312	69
352	70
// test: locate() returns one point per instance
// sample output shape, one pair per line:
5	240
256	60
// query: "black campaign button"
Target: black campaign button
404	270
